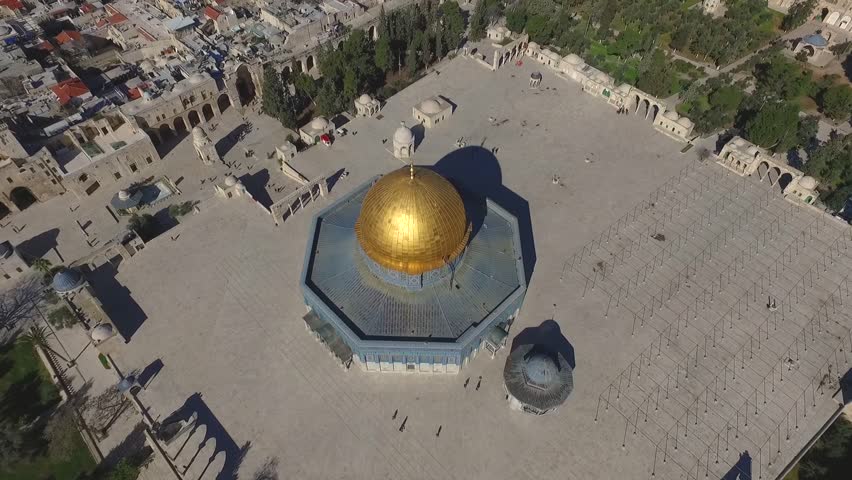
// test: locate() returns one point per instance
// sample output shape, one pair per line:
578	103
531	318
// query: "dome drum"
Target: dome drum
408	281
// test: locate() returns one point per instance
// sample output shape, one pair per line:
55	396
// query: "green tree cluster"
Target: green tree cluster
831	456
278	102
798	14
836	101
713	105
485	12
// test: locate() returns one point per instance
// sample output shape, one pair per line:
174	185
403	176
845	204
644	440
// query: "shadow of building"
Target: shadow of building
548	335
476	172
117	300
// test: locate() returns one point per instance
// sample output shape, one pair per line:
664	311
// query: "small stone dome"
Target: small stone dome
533	45
67	280
808	182
753	150
670	115
573	59
102	332
123	195
319	123
685	122
230	181
403	135
430	106
739	142
365	99
535	75
199	136
623	88
601	77
146	65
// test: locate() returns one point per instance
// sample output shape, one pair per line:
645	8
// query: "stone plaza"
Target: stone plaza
704	313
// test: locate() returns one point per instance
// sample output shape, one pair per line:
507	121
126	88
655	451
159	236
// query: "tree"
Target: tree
478	22
273	92
450	25
836	102
607	14
516	18
37	336
798	14
656	78
42	265
382	55
681	38
13	444
778	78
775	126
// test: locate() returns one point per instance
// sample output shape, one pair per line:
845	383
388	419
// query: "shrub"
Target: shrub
62	317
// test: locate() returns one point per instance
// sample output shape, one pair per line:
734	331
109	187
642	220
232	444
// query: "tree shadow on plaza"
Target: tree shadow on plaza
476	172
741	470
256	184
548	335
214	431
40	244
117	300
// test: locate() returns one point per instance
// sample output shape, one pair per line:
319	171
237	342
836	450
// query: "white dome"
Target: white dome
807	182
573	59
430	106
123	195
365	99
319	123
403	135
753	150
102	332
624	88
146	65
685	122
532	45
670	115
739	142
199	136
230	181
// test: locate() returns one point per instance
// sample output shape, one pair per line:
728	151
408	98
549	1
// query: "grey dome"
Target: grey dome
102	332
67	280
538	377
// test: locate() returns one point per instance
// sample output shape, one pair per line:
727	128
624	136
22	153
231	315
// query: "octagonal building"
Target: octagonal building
404	274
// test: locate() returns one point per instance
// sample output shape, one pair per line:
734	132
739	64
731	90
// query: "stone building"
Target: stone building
403	142
367	106
419	296
537	380
500	47
165	114
746	159
816	48
313	131
624	96
101	151
27	180
432	111
12	263
204	147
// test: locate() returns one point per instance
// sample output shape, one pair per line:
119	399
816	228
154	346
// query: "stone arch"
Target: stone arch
809	50
22	197
832	18
654	111
208	112
4	211
762	170
194	118
180	125
784	180
245	84
309	63
286	70
166	132
223	102
773	174
372	32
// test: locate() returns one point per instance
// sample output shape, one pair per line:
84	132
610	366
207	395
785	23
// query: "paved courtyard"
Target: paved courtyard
657	267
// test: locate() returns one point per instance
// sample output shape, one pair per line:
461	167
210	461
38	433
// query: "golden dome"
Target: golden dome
412	221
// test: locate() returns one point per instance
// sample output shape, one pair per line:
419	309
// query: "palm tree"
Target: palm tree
37	337
43	265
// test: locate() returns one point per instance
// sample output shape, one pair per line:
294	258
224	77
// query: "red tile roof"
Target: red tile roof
211	12
87	8
102	22
68	89
45	45
68	36
134	93
117	18
12	4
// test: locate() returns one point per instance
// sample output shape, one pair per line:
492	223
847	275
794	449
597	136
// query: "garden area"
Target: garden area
831	456
37	439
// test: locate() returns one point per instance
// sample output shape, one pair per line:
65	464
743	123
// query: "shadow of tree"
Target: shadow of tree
267	471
